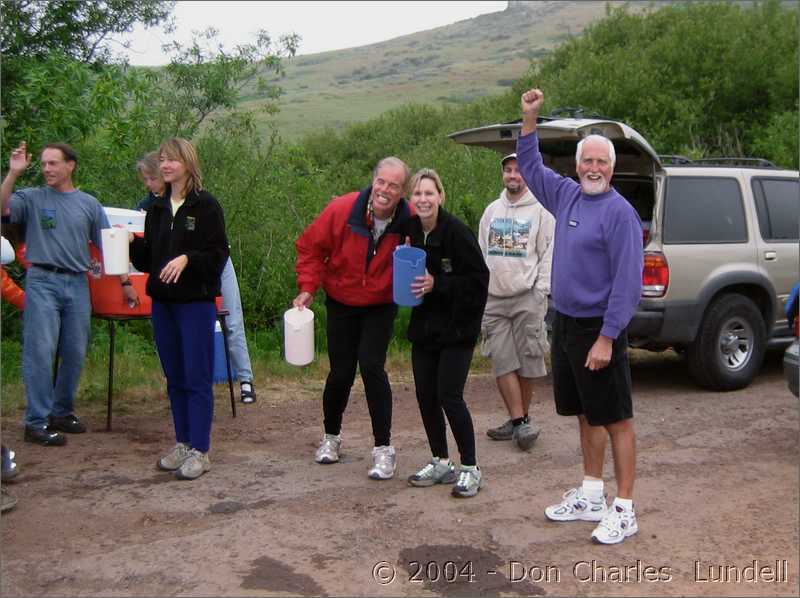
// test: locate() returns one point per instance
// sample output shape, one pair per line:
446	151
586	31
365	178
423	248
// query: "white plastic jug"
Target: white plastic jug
298	334
115	250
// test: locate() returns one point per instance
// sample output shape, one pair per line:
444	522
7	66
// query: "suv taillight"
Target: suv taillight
655	275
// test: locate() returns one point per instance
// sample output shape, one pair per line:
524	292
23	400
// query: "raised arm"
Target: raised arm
17	165
531	102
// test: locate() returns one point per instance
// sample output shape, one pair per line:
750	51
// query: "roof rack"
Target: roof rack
733	161
576	112
674	159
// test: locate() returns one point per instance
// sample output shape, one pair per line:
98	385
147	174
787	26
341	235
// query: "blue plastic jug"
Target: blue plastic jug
220	368
408	263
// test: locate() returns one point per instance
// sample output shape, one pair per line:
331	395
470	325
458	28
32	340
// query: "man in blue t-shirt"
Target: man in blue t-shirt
59	222
595	284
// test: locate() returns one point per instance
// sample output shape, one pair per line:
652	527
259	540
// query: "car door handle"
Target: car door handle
770	256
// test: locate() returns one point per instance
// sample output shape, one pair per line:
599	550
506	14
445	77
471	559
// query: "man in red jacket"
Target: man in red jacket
348	251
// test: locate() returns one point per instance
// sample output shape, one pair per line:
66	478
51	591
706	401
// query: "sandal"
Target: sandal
248	394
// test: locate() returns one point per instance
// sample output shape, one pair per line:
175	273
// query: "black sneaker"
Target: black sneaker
68	423
44	437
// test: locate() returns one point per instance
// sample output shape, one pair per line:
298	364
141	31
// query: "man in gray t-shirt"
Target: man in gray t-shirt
59	222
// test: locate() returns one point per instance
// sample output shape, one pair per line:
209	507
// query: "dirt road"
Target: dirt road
717	489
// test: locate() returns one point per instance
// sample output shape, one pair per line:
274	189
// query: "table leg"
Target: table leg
111	333
228	362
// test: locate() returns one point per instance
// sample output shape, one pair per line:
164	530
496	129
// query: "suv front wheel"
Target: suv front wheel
730	344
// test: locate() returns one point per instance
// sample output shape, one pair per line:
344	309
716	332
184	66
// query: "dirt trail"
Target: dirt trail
717	486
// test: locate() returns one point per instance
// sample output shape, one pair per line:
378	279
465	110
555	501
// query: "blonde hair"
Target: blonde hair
148	165
177	148
427	173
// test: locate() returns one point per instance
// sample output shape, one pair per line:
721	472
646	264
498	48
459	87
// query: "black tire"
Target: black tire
730	344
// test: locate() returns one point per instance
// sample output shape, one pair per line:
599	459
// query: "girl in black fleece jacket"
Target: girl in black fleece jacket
184	250
443	332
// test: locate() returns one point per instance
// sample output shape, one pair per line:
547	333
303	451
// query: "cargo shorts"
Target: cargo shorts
513	334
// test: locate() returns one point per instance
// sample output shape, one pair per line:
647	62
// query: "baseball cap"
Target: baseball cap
507	158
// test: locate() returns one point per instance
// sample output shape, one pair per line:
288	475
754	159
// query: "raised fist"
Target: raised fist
532	101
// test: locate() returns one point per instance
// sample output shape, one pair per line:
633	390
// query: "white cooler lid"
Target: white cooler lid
133	220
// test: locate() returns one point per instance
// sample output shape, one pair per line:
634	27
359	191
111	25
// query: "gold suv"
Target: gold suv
720	242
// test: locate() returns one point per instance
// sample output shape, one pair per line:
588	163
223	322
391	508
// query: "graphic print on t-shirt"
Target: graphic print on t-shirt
509	237
47	218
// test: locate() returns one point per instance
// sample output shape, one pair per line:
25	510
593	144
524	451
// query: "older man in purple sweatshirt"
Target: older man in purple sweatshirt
595	284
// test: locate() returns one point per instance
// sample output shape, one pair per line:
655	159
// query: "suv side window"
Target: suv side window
704	210
778	208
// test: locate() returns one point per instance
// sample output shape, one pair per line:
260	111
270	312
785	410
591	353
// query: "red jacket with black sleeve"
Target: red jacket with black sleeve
337	252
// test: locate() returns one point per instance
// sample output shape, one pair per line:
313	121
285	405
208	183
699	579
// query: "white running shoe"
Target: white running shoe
384	462
577	507
328	451
617	524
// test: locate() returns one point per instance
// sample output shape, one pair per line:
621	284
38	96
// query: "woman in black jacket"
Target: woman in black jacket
184	250
443	332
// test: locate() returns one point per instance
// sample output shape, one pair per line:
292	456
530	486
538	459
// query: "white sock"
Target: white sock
592	487
443	461
469	467
625	503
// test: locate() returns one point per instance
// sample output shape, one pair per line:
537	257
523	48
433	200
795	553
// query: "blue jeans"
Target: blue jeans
184	335
237	341
56	317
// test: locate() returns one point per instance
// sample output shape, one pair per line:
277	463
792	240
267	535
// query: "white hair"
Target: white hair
612	154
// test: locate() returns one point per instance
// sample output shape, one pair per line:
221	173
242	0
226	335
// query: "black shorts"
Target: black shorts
603	396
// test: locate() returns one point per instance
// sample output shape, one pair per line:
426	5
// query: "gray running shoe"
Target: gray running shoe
175	458
328	451
196	464
469	482
434	472
384	462
504	432
525	436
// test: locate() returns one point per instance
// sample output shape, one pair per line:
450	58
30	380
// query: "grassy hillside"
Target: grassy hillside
448	65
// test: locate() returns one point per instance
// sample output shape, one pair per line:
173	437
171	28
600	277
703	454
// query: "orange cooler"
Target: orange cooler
106	292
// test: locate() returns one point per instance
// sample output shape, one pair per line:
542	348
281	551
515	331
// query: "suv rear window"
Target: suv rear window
778	208
704	210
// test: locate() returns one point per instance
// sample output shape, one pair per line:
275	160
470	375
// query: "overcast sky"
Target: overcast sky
323	26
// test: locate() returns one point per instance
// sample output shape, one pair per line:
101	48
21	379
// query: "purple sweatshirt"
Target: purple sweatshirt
597	255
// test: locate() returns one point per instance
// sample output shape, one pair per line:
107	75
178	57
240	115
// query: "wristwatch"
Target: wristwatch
126	283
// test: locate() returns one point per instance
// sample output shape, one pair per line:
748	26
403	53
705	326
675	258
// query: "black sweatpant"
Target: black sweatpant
359	336
440	375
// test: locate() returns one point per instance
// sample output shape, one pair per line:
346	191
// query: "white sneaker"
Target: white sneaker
175	458
196	464
617	524
384	462
577	507
328	451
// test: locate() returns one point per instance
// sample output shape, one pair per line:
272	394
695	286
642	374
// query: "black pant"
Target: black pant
359	336
440	375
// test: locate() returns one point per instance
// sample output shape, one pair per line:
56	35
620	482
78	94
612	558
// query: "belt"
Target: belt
55	269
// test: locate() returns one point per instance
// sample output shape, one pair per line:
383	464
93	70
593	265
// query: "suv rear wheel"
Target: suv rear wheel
730	344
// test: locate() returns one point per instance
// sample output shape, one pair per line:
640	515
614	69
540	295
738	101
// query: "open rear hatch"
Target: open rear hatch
637	162
558	138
